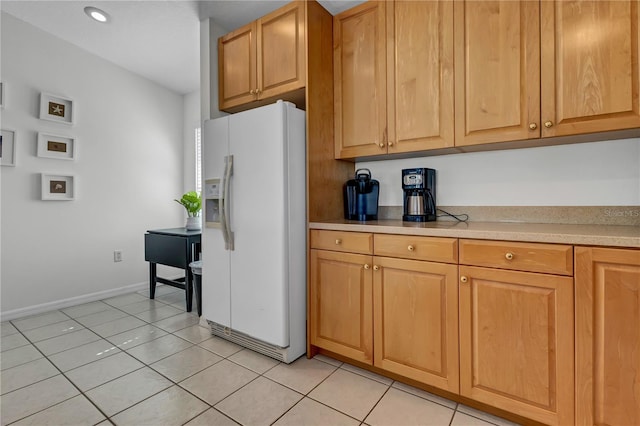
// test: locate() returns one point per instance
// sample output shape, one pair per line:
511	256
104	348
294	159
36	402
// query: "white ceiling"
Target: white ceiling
156	39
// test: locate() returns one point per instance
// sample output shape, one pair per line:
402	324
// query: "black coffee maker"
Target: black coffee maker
419	186
361	197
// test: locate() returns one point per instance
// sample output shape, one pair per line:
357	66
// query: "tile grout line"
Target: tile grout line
82	393
192	344
66	378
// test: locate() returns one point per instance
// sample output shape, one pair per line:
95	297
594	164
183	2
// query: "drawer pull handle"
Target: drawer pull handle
464	279
410	248
376	267
366	266
338	241
509	256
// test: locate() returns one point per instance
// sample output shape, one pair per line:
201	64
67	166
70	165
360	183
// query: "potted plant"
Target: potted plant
192	203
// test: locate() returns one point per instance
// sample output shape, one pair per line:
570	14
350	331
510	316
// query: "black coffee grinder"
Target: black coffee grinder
419	186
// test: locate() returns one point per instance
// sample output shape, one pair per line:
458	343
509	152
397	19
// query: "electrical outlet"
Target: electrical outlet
117	256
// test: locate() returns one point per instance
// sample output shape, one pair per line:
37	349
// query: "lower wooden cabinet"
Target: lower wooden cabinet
400	315
415	320
516	342
607	336
341	305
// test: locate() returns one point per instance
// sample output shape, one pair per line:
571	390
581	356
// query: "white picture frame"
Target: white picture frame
56	108
56	146
56	187
8	147
2	89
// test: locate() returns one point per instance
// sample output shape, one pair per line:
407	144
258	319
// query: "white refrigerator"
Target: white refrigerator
254	234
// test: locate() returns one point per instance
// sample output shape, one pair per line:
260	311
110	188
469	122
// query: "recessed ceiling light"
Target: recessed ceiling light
97	14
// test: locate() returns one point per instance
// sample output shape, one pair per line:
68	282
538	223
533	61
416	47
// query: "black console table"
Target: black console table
175	247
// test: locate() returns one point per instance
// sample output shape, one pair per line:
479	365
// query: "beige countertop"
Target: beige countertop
592	235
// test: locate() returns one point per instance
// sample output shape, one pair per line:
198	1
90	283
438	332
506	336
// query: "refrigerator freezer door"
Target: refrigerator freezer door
215	259
259	290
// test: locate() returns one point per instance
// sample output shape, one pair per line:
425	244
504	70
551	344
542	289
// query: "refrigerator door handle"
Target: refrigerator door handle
226	204
223	223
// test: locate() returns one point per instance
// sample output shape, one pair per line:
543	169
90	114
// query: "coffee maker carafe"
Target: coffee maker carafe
419	186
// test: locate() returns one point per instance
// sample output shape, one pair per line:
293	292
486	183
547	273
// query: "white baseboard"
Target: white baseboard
65	303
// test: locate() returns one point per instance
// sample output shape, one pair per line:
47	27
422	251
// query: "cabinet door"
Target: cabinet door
590	77
341	304
420	75
281	60
516	342
607	336
497	69
237	67
360	81
416	320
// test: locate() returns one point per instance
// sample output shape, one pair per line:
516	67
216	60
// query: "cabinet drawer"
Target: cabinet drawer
531	257
420	248
353	242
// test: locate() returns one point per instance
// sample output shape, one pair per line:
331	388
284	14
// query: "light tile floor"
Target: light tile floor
128	360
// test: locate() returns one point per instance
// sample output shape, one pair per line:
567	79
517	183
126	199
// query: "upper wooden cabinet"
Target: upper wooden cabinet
590	76
497	69
607	336
360	81
534	69
237	67
263	59
393	78
419	75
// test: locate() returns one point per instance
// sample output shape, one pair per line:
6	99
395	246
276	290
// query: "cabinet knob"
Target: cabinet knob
252	91
508	256
258	91
366	266
390	144
548	124
338	241
381	144
376	267
410	248
533	126
464	279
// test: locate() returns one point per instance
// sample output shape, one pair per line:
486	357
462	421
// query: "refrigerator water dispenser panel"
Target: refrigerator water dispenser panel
212	207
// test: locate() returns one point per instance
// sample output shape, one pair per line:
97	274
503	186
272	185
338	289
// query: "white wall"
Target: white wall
129	170
588	174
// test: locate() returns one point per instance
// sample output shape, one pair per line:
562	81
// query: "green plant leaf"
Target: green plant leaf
192	202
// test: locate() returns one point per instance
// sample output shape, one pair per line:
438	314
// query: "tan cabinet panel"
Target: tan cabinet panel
281	50
341	304
497	68
419	248
516	342
530	257
237	66
416	320
607	336
360	81
355	242
590	78
420	75
263	60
